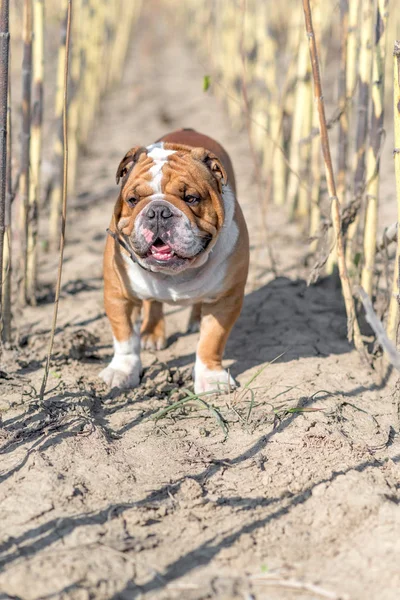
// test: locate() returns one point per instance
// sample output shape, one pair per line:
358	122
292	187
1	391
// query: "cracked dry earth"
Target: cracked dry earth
100	501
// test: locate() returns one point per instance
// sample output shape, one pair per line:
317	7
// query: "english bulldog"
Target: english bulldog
177	235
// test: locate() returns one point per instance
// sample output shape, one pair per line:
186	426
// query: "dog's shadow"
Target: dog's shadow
284	319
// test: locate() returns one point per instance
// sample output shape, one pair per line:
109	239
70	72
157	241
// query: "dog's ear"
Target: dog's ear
213	163
131	156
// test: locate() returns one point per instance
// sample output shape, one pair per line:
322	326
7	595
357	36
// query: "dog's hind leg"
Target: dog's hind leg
194	319
153	326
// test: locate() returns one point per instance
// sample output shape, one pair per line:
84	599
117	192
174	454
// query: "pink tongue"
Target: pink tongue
161	249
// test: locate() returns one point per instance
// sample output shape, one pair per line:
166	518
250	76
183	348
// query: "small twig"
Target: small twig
330	123
64	202
295	584
389	235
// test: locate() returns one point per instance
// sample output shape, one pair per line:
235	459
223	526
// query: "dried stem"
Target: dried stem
374	150
364	81
64	200
393	318
4	64
56	190
36	149
25	145
7	264
343	121
352	324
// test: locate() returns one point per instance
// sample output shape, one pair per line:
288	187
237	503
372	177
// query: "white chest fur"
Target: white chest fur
203	283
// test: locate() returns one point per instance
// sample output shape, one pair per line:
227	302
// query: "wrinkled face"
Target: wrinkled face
170	208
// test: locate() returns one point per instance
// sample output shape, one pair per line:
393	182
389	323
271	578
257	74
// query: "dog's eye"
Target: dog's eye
132	201
191	199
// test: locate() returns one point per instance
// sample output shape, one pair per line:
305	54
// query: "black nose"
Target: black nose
159	211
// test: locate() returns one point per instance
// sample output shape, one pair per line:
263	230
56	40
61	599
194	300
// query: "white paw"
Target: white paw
119	379
123	372
207	380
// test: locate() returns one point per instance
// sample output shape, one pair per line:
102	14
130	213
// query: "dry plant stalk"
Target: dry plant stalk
7	264
36	148
393	317
303	90
247	113
274	161
315	209
230	65
343	137
25	145
352	324
64	198
306	188
260	77
374	150
75	96
4	65
344	120
351	61
352	51
90	81
364	81
302	210
56	188
122	38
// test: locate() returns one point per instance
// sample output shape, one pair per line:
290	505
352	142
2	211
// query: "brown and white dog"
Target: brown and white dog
178	236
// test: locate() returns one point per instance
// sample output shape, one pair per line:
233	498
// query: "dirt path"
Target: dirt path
99	501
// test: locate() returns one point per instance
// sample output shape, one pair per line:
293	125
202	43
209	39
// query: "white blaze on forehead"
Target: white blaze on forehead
160	156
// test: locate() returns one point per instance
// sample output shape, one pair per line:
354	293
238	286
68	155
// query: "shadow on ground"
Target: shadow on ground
288	318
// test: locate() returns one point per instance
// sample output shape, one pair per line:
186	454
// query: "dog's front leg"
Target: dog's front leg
125	368
217	321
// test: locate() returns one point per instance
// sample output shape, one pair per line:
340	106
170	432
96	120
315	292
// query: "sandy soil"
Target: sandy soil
98	500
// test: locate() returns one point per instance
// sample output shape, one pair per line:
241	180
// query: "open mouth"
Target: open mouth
161	251
161	256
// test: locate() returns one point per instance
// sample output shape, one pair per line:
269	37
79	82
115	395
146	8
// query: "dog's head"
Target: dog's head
170	205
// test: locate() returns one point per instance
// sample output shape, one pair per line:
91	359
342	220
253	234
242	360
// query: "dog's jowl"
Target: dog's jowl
177	235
